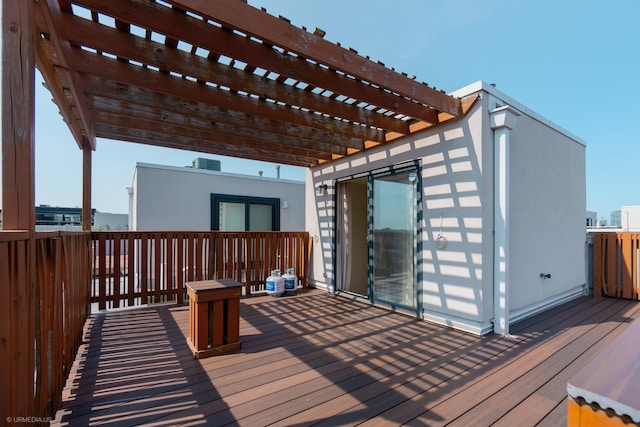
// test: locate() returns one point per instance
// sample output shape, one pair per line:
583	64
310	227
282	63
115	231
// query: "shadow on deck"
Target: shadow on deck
319	359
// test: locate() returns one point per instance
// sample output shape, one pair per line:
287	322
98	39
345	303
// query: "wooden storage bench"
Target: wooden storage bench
214	317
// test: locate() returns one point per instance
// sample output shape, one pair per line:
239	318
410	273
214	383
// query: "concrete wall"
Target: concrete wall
173	198
547	182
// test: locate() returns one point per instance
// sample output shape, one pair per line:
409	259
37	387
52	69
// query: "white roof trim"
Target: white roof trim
486	87
189	169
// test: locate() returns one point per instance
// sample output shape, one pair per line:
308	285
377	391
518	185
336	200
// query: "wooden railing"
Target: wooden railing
616	258
135	268
44	304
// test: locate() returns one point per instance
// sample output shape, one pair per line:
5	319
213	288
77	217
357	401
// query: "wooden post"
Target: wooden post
17	88
86	185
18	115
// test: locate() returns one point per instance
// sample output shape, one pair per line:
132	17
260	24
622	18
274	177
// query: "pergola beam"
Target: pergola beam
110	96
200	33
106	111
245	18
187	134
50	12
126	46
220	147
165	83
55	86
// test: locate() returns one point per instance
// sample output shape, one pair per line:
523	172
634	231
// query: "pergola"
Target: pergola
221	77
214	76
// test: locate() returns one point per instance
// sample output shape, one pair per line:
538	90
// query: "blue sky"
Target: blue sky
576	63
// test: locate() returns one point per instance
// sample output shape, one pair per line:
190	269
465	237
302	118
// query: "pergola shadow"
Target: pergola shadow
133	368
321	359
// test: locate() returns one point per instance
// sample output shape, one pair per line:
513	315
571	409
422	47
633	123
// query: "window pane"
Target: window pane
260	217
231	216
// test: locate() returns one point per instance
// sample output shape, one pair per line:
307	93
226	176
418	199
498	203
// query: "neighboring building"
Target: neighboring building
197	199
110	221
56	218
59	218
616	219
630	218
592	219
445	224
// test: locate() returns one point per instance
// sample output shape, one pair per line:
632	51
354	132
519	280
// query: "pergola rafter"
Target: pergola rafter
251	84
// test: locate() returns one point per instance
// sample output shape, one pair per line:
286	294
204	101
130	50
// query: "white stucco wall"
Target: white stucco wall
456	200
630	218
548	203
173	198
547	215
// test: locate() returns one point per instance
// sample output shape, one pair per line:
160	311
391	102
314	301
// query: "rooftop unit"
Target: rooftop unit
208	164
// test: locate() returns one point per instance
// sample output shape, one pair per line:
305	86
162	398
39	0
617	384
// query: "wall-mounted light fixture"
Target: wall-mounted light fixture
321	189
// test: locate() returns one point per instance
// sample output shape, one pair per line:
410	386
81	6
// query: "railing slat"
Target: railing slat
626	263
180	267
198	255
611	278
169	273
130	271
634	255
239	247
157	263
6	312
144	261
43	323
102	272
598	264
190	256
116	269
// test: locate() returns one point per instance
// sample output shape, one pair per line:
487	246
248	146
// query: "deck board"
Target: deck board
320	359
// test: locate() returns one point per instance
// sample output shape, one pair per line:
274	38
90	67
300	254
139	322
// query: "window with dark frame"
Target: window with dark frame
244	213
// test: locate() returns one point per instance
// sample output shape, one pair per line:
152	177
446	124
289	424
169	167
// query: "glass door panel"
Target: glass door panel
260	217
353	242
393	251
231	216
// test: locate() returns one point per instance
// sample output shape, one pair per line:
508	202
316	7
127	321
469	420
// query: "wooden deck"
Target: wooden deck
321	359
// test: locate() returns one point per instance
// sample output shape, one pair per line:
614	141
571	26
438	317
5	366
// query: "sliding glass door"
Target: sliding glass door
377	229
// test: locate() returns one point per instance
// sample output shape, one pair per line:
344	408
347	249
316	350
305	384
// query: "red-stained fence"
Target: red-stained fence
141	267
43	310
616	260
